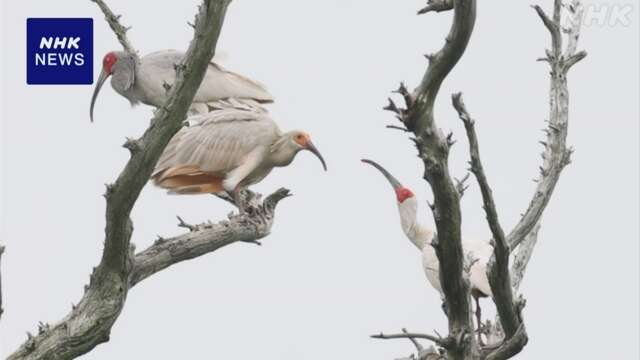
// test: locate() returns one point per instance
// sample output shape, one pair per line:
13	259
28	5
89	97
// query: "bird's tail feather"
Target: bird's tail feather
196	189
188	180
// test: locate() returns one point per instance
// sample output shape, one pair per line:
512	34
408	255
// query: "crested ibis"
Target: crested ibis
421	236
227	149
147	81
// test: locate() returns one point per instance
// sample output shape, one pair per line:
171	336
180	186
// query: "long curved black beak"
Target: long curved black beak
315	151
101	79
393	181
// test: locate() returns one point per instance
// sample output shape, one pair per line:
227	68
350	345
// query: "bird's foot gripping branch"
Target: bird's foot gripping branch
207	237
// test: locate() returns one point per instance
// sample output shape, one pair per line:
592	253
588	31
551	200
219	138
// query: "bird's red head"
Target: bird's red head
402	194
108	61
304	141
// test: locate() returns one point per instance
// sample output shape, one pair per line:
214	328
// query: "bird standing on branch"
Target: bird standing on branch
149	81
227	150
477	252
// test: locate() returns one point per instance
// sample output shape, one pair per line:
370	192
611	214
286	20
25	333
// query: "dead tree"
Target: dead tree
89	322
508	336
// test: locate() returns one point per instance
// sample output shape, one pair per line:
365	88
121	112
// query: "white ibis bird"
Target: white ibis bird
478	252
147	81
227	150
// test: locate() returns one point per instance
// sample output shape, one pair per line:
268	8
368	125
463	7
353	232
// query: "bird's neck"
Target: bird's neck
282	152
123	85
124	77
417	233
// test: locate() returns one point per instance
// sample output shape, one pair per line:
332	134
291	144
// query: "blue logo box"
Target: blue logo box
59	51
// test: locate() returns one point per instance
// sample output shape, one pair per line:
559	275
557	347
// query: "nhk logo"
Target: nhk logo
59	51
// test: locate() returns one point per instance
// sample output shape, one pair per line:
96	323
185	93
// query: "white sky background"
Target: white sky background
336	267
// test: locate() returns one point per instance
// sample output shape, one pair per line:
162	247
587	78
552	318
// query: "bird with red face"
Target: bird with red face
147	81
477	251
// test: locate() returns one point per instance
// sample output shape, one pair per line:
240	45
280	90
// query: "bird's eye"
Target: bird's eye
301	139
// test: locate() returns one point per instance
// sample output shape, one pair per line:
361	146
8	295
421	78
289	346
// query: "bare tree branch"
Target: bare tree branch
429	353
511	346
206	238
553	26
437	6
90	322
574	59
433	149
415	342
576	14
118	29
521	257
556	155
442	342
498	268
461	184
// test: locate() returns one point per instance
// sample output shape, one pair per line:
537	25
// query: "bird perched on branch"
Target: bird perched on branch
477	252
149	80
227	150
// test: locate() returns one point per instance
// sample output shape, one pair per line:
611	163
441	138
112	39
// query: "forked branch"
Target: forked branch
556	154
511	347
433	148
208	237
498	268
521	257
437	6
120	31
442	342
90	322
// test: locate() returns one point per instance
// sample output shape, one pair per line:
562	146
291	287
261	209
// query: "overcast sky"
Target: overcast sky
337	266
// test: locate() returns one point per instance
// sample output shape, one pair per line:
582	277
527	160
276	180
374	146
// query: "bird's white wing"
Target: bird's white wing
482	251
219	141
475	250
431	267
231	103
176	56
218	83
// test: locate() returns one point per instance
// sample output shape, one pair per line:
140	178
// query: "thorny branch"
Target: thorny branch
556	155
208	237
443	342
90	322
511	346
461	184
522	256
429	353
433	147
437	6
118	29
498	268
